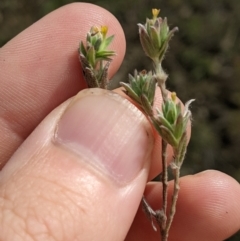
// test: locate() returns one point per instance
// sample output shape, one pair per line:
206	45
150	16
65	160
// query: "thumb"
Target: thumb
80	175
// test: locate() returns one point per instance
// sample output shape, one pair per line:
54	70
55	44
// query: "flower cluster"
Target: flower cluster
155	36
141	88
171	122
95	58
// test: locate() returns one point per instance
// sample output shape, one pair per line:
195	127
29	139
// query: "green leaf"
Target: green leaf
98	44
179	127
136	87
82	49
145	40
164	30
181	149
170	111
168	136
162	121
165	122
164	133
91	56
106	42
130	92
89	37
171	116
105	54
165	107
150	88
154	35
146	105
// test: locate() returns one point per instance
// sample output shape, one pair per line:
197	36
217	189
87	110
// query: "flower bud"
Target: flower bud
155	36
95	58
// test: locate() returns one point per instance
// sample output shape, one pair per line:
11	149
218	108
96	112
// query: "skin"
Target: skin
40	71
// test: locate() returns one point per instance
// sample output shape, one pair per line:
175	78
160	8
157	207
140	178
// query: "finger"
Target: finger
80	175
207	209
40	68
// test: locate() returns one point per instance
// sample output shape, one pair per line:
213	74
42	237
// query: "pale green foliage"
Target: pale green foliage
95	58
170	122
141	88
155	36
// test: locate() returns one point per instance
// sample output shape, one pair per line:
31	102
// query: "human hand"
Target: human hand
81	173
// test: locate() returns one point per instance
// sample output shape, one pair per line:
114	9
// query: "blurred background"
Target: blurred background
203	63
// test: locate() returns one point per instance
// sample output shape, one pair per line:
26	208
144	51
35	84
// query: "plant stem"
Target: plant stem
161	79
149	212
176	172
165	186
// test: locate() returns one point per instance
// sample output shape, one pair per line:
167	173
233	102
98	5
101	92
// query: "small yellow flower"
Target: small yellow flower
155	12
173	96
104	30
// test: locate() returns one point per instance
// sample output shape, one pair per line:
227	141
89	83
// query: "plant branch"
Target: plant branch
165	185
176	173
